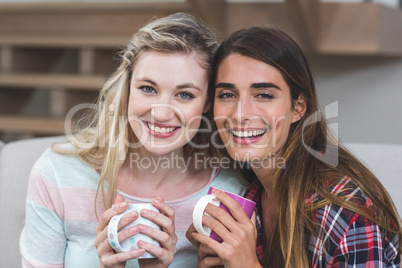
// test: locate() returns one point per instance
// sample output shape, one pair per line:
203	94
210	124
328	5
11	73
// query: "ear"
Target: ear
300	107
207	107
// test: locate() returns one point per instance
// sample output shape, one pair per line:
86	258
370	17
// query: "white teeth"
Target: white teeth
245	134
160	129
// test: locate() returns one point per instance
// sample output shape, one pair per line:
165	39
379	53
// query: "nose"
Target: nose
162	112
243	111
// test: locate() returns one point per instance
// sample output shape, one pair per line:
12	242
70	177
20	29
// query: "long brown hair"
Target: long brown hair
306	170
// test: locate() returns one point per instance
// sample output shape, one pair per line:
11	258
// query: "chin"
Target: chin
249	154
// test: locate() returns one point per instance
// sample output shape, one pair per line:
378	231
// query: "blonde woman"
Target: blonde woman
318	206
143	144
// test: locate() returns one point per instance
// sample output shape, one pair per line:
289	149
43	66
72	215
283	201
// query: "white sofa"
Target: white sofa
16	161
17	158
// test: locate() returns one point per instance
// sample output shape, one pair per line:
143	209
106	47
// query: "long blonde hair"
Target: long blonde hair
103	137
305	173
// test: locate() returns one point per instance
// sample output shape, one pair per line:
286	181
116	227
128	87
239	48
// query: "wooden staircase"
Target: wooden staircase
54	56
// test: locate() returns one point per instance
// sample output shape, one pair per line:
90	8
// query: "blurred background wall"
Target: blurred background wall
56	54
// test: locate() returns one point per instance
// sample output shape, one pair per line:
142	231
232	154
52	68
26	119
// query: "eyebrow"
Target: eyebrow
254	85
225	85
264	85
188	85
146	80
182	86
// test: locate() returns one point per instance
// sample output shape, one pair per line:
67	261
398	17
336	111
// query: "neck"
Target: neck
156	168
170	176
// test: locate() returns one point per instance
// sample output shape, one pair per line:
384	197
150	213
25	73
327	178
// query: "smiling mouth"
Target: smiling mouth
248	134
163	130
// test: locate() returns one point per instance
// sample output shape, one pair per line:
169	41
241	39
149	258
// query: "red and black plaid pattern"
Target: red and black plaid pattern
253	192
345	238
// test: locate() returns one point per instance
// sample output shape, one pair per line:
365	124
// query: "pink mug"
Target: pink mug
199	210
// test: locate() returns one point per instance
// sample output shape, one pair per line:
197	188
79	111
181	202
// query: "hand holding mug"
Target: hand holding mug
133	241
235	229
164	234
107	257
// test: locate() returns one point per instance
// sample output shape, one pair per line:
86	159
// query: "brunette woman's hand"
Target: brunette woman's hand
238	232
107	256
207	257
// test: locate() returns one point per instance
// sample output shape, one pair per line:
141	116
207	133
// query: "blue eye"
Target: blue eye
226	95
185	95
147	89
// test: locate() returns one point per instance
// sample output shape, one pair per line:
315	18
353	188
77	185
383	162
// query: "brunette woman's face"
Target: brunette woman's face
168	94
253	109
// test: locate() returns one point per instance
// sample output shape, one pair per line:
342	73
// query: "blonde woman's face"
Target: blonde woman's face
253	109
168	94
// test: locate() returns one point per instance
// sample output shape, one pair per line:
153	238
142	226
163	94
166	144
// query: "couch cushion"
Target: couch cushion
385	161
16	161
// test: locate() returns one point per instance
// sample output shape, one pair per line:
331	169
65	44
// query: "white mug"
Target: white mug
132	242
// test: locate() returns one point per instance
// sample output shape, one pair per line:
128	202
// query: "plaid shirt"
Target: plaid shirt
350	239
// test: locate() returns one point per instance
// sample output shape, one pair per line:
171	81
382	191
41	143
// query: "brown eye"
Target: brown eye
265	96
226	95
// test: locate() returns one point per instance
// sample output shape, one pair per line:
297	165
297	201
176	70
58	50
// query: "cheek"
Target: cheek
280	126
132	106
138	105
193	115
278	116
220	113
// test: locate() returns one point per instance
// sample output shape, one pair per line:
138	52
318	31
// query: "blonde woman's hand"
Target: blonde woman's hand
166	236
107	256
239	234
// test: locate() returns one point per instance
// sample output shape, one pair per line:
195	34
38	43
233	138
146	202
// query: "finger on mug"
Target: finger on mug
108	214
254	222
160	204
220	214
163	220
228	222
190	238
127	219
100	237
208	242
127	233
204	251
116	209
210	261
158	252
119	199
114	259
221	230
158	235
105	248
155	217
237	211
